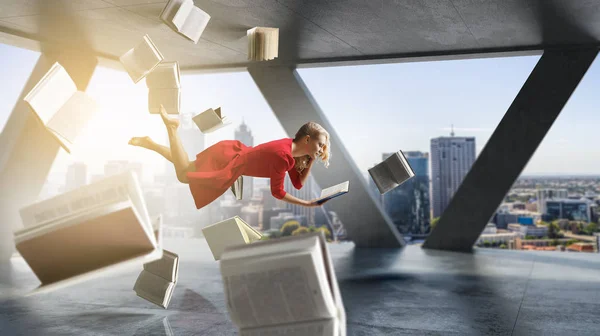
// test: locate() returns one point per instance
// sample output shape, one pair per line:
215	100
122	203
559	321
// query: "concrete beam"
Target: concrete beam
513	143
27	151
365	221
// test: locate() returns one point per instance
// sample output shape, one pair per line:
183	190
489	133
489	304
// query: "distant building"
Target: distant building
76	176
451	160
244	135
408	204
529	230
549	194
576	210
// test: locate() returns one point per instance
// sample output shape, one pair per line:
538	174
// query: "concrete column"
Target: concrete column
364	220
514	141
27	151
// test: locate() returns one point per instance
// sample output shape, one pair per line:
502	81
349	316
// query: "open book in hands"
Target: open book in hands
285	286
60	107
332	192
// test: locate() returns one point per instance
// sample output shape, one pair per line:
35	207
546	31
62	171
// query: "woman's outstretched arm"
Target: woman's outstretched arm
297	201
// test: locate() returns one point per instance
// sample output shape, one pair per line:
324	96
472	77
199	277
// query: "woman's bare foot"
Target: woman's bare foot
144	142
166	119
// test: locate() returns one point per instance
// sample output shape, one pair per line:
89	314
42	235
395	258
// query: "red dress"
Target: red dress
221	164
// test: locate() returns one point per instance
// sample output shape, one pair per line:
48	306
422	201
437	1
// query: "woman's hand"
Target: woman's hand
313	203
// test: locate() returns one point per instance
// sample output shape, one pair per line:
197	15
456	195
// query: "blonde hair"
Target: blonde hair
313	130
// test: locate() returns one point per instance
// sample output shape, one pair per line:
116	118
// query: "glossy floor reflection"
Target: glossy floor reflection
385	292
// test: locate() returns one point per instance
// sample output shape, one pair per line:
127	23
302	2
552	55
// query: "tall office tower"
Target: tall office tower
451	160
310	190
118	166
192	138
76	176
244	135
408	204
544	195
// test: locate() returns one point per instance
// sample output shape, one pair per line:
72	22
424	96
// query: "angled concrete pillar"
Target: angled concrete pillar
364	220
506	154
27	151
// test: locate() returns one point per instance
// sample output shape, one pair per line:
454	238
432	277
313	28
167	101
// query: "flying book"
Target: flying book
210	120
232	231
142	59
62	110
158	279
391	172
164	88
285	286
238	188
263	43
100	229
110	190
332	192
185	18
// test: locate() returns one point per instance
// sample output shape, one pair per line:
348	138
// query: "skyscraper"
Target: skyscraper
408	204
76	176
244	135
309	191
192	138
113	167
451	160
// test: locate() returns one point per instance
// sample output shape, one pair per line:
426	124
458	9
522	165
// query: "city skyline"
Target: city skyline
398	115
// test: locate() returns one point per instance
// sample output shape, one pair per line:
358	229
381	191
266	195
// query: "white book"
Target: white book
60	107
333	192
391	172
210	120
142	59
287	284
185	18
263	43
230	232
81	247
170	99
157	281
238	188
113	189
166	75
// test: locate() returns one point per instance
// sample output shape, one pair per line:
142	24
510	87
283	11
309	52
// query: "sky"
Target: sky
373	108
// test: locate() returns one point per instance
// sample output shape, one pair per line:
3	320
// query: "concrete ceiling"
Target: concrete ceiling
311	32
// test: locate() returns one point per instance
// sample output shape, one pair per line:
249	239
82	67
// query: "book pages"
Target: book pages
382	177
113	189
166	75
73	117
325	327
210	120
50	94
304	292
142	59
170	99
153	288
91	241
229	232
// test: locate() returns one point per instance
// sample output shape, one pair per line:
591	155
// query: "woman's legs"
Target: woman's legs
179	157
146	142
175	154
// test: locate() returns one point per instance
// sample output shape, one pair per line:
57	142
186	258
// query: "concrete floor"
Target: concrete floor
385	292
